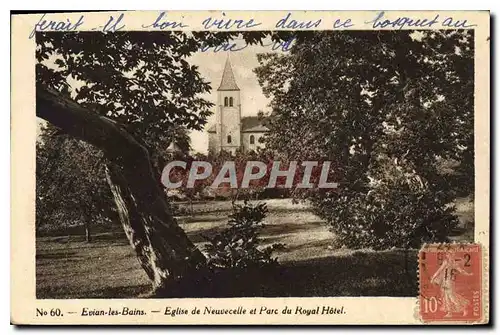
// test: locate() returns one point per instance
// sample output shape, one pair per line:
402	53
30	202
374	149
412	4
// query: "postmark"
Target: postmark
450	283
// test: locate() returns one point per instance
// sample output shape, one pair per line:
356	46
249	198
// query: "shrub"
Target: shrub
397	210
237	247
178	210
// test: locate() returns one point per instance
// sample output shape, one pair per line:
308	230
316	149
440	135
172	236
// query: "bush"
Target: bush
236	264
397	210
237	247
177	209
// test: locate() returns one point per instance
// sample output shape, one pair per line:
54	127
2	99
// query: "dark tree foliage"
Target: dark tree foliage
141	80
389	107
71	185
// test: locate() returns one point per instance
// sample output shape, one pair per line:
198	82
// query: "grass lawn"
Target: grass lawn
68	267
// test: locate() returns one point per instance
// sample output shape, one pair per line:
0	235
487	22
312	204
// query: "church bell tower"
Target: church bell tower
228	118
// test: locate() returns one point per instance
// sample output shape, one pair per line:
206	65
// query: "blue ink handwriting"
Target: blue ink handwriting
165	24
112	25
345	24
55	25
225	46
449	22
281	45
401	22
287	23
228	23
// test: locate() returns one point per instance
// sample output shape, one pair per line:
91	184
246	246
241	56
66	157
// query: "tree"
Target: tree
71	184
387	106
163	249
129	89
174	145
179	174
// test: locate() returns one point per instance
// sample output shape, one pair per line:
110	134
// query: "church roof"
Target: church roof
228	83
249	124
253	124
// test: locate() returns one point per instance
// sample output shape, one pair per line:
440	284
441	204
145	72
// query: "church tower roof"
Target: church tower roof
228	83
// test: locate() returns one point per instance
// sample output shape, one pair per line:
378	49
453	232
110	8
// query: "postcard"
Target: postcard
250	168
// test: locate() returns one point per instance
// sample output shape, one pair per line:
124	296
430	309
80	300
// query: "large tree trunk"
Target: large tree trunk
163	249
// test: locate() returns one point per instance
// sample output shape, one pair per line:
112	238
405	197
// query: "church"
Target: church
231	132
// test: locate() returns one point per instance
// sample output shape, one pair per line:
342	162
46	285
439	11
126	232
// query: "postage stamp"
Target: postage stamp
450	281
293	161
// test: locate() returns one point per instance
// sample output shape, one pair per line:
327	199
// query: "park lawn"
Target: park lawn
68	267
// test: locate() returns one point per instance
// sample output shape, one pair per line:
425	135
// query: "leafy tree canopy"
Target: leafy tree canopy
377	102
70	181
142	80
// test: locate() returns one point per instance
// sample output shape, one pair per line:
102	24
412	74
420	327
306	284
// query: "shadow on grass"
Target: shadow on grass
115	238
270	233
201	235
55	255
132	291
201	219
360	274
387	273
79	231
303	246
289	228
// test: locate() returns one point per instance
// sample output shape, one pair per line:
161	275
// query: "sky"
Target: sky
211	66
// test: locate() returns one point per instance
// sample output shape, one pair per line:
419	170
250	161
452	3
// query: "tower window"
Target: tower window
252	139
231	102
228	138
225	102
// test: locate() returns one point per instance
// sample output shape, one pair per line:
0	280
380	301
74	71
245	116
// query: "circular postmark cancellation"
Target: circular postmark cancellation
450	283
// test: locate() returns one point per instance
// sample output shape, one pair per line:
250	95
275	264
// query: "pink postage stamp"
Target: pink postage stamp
450	283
